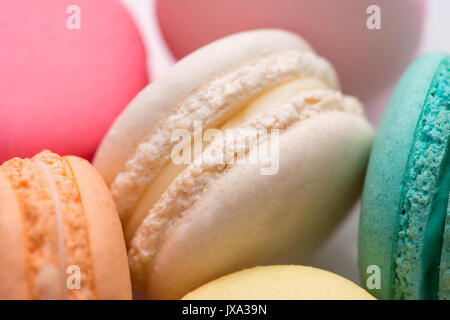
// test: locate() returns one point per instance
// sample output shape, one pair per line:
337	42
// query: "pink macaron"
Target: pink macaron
368	61
68	67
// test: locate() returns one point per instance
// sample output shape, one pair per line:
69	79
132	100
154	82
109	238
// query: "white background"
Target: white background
339	254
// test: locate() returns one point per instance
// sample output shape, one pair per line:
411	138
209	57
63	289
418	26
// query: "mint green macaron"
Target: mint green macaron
404	235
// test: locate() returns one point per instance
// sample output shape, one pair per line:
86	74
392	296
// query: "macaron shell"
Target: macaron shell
12	245
280	282
386	170
105	233
227	229
61	88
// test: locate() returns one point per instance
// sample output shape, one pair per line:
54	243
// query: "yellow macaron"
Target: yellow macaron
286	282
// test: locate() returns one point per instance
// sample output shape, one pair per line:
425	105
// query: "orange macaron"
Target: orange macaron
60	234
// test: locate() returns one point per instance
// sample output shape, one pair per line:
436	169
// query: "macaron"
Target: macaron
345	33
404	247
218	212
282	282
61	235
68	67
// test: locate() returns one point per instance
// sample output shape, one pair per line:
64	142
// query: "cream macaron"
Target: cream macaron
60	234
284	282
186	224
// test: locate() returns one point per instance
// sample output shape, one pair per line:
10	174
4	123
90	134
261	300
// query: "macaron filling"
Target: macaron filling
55	227
424	197
261	104
191	183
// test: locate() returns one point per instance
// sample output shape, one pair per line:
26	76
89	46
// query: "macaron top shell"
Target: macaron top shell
62	87
399	217
287	282
61	219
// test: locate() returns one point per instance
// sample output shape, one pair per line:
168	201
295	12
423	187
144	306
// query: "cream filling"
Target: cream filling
212	103
259	105
191	183
60	233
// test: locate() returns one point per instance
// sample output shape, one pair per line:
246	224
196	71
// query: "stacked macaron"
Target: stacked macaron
57	220
189	223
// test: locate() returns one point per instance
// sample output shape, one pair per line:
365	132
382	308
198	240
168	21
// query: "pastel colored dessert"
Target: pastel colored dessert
324	23
405	217
208	217
283	282
61	87
61	235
